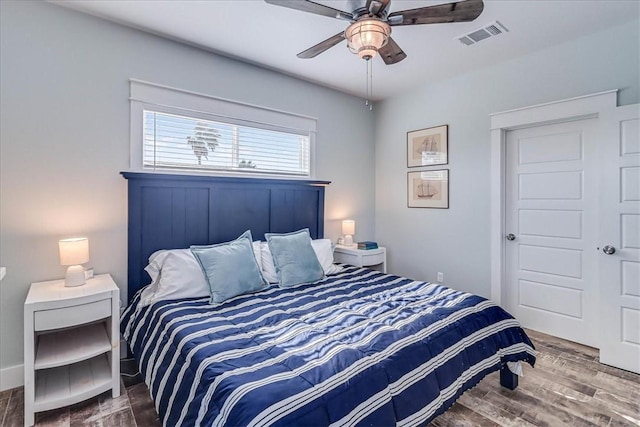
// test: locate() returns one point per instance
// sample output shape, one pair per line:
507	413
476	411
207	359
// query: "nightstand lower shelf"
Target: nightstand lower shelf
66	385
71	345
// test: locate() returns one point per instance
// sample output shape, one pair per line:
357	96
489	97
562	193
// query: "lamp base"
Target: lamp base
75	276
348	240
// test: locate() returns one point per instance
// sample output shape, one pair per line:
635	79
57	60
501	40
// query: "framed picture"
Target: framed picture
428	189
428	147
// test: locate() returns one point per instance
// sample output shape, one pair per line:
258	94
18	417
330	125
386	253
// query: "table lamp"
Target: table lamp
348	229
74	252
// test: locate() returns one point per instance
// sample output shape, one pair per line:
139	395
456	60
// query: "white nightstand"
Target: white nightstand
375	259
71	343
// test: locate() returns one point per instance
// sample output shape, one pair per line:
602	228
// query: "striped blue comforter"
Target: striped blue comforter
358	348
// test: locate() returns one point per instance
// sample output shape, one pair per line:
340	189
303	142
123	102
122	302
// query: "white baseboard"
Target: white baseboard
11	377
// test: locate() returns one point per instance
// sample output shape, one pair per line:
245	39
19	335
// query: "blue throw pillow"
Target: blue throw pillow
294	258
230	268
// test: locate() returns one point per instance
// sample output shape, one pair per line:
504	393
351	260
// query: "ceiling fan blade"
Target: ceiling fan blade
316	50
466	10
311	7
391	53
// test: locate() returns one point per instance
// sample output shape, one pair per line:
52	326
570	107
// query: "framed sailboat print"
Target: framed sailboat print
428	189
428	147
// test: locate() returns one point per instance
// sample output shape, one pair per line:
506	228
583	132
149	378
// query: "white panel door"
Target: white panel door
619	146
551	188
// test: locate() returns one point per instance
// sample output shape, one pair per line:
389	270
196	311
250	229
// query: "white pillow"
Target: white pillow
324	252
175	274
268	267
257	252
323	249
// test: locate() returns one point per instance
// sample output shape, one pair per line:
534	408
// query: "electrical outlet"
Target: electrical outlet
440	277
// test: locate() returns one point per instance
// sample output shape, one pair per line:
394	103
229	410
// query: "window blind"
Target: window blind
174	141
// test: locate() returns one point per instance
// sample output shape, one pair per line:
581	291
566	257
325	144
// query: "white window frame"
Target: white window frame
165	99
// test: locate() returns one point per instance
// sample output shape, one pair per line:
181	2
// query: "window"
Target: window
205	134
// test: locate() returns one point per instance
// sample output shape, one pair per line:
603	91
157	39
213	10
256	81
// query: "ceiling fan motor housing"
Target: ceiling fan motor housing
361	8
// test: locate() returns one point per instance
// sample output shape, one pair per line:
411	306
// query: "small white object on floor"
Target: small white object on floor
516	368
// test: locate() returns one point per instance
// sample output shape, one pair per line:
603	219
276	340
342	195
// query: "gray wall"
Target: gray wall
456	240
65	138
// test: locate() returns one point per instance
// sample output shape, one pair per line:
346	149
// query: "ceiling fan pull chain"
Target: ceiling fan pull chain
366	100
370	70
369	82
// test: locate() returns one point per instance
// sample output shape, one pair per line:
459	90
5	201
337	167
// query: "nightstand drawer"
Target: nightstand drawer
352	259
45	320
373	259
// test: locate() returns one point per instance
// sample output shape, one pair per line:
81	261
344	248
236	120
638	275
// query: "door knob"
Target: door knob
609	250
511	236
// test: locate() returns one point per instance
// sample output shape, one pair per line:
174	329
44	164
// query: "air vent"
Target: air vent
475	36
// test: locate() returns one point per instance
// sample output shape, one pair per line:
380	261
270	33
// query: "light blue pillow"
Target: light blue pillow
230	268
294	258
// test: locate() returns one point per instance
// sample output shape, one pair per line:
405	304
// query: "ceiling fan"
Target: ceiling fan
371	22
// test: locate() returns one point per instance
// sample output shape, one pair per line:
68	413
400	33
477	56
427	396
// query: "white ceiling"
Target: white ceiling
271	36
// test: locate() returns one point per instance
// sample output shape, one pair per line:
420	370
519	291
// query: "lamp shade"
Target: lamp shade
348	227
74	251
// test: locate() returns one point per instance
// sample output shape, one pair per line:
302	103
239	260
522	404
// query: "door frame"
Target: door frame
578	108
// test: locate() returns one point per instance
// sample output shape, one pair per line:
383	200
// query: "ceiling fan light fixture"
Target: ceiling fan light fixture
366	36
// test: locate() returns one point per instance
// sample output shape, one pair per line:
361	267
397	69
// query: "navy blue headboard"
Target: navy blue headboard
176	211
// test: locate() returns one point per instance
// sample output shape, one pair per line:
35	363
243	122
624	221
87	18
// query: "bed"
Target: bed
357	347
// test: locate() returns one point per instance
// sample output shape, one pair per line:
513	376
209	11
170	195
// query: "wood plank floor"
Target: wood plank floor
568	387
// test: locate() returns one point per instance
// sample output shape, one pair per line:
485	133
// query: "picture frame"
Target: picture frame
428	189
428	147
